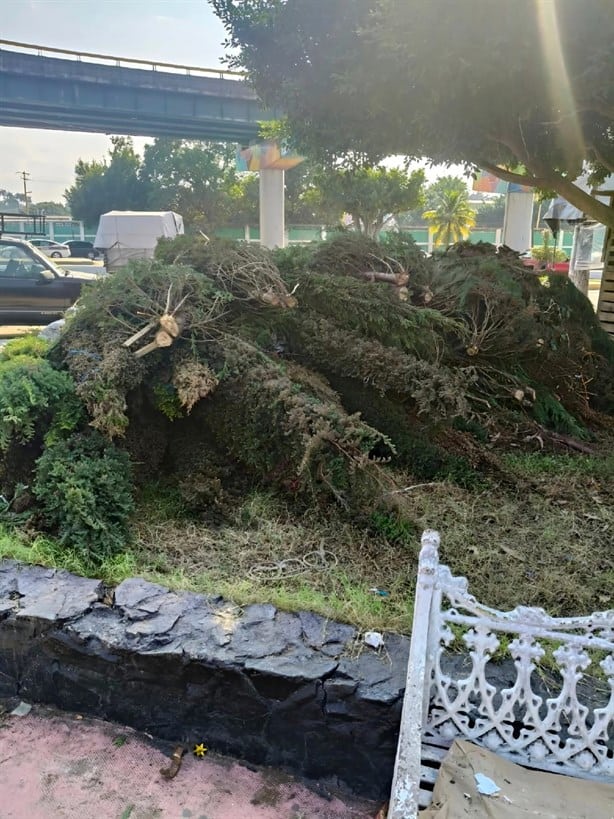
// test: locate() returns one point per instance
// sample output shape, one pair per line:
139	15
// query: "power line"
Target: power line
25	176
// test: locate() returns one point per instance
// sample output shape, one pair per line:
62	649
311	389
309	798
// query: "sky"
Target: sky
174	31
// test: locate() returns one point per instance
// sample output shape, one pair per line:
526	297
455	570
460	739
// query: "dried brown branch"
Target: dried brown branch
566	440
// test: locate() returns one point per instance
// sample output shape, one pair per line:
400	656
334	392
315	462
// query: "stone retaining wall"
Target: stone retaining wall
295	691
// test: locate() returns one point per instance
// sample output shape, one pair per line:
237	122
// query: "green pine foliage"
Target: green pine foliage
377	313
311	378
436	390
35	397
84	487
347	254
27	345
550	413
294	259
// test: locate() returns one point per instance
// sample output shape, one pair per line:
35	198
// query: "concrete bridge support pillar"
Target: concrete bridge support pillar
517	223
272	208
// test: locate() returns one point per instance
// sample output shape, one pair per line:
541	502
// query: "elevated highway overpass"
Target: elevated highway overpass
75	91
42	87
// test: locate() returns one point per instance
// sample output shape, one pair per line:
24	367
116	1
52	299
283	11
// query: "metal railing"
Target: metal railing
126	62
22	224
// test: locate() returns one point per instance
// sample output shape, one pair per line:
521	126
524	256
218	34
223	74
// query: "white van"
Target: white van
124	235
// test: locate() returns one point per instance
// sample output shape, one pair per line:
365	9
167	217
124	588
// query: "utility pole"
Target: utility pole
25	176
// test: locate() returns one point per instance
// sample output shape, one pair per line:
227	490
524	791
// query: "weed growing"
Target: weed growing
545	540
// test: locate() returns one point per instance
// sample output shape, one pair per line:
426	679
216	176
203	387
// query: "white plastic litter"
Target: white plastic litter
485	785
374	639
22	710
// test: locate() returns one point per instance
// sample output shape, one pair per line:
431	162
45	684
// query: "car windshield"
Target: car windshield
24	251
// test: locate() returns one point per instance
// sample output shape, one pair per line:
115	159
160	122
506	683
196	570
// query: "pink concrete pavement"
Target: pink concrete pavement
56	765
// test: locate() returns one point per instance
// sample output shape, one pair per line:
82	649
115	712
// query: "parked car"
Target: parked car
34	290
541	266
81	249
53	249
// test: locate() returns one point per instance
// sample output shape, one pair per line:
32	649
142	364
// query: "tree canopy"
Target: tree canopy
200	181
490	214
526	93
11	202
369	195
108	185
50	208
449	213
191	177
197	179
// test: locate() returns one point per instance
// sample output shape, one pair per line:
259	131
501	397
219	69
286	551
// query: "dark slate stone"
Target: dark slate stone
6	607
8	578
102	624
259	640
33	579
293	667
161	624
139	598
318	632
338	697
50	595
380	674
259	613
267	686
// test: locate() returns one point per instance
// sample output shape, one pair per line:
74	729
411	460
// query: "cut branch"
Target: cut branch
566	440
397	279
173	325
162	339
143	331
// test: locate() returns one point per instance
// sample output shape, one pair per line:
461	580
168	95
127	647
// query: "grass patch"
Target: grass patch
544	541
540	465
529	547
267	554
263	556
44	551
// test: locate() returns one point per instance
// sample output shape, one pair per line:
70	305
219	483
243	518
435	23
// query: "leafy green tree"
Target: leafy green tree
197	179
451	215
490	214
321	196
108	185
15	203
50	208
369	195
444	185
200	181
11	202
303	204
244	200
525	93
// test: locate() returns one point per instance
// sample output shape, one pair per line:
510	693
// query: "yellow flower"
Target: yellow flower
199	750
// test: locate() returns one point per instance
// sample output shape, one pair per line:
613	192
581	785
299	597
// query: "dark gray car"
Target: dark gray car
81	249
33	290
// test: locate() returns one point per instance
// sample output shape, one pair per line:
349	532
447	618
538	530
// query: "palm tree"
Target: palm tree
451	215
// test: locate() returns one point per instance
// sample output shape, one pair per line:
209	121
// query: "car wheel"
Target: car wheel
56	255
91	255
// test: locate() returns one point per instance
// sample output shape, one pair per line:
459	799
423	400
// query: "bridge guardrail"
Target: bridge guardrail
126	62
